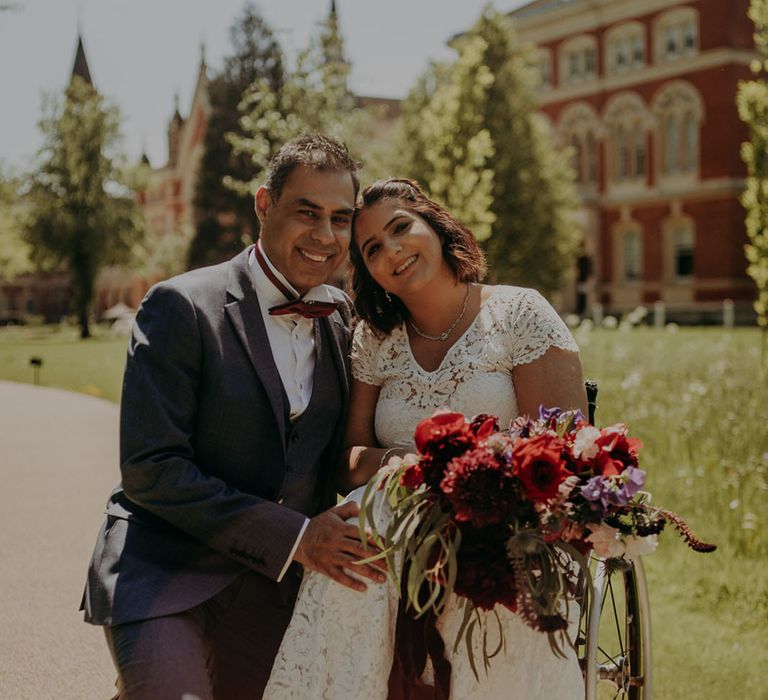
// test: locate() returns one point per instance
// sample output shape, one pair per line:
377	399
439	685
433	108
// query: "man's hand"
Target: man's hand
331	546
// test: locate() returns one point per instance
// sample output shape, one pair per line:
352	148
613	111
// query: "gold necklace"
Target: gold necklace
446	333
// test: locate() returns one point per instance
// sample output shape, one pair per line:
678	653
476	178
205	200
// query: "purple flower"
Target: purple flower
547	414
614	490
634	480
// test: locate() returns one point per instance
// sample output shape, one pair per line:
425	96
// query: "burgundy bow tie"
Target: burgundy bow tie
295	305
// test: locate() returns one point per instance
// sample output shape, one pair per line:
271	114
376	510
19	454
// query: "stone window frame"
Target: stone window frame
579	52
678	110
579	127
679	26
631	34
624	233
673	229
627	122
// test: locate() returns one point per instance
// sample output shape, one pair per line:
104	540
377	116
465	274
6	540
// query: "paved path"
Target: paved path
58	463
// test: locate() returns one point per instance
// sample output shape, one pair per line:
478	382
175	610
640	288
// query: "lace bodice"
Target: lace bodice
515	326
340	643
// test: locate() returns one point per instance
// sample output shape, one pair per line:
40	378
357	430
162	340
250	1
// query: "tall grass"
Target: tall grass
698	401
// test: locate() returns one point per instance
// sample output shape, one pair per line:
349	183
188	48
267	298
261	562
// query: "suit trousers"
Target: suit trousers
222	649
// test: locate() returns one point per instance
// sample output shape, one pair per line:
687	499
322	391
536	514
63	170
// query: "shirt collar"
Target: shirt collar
270	294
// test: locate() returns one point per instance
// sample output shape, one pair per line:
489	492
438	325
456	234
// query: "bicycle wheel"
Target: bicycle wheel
614	643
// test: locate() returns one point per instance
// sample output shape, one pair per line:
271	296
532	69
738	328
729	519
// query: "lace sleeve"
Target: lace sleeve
364	355
536	327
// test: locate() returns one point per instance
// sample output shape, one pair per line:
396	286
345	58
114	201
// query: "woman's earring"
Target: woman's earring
389	298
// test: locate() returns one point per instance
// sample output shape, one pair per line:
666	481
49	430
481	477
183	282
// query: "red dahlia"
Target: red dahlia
480	487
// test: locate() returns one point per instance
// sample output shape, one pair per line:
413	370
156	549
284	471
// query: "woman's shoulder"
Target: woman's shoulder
512	300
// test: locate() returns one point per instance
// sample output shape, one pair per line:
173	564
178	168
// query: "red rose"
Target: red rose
437	428
539	463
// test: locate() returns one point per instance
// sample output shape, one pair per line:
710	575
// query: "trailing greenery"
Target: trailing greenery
752	102
81	216
470	134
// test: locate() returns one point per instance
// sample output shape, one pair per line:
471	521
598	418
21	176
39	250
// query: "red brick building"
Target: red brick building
644	93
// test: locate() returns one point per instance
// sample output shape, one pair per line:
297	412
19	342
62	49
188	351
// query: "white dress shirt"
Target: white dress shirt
292	339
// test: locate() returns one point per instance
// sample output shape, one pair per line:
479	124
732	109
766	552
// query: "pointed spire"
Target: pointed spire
80	67
333	8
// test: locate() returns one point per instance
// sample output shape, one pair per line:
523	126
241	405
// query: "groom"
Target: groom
233	404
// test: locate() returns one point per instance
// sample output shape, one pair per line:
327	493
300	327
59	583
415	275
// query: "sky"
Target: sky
142	52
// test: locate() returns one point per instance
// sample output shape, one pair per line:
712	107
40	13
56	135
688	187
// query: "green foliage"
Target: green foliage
224	218
752	101
15	252
471	136
81	216
314	97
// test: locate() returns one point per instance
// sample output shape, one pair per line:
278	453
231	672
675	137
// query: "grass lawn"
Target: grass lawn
697	400
94	366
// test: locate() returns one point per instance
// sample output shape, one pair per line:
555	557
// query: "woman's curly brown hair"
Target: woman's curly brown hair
460	250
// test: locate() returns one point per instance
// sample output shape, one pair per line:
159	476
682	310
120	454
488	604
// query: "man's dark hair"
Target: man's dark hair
460	250
312	150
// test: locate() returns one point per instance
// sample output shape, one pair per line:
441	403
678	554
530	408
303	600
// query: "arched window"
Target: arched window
579	128
676	34
625	47
578	59
679	111
627	119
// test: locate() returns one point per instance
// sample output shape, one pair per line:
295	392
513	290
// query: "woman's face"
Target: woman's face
400	250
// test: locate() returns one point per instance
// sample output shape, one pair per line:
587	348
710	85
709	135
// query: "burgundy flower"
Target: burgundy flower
539	462
480	487
412	477
483	425
485	574
439	439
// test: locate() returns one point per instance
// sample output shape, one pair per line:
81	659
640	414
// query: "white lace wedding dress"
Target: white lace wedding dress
340	643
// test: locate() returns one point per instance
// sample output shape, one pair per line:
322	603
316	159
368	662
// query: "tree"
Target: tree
224	218
752	102
81	216
470	134
15	252
314	97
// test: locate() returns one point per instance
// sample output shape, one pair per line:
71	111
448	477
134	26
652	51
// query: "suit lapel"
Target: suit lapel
244	313
338	349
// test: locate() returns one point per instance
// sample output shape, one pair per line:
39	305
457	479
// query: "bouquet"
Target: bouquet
505	518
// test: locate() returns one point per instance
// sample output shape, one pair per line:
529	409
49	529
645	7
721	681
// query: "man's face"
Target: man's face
306	232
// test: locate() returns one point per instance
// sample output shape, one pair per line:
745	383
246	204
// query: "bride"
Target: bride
430	337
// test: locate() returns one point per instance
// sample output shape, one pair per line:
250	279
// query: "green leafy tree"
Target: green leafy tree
314	97
470	134
752	102
15	252
81	216
224	219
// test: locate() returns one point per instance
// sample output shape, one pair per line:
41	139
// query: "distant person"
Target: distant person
431	336
233	406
